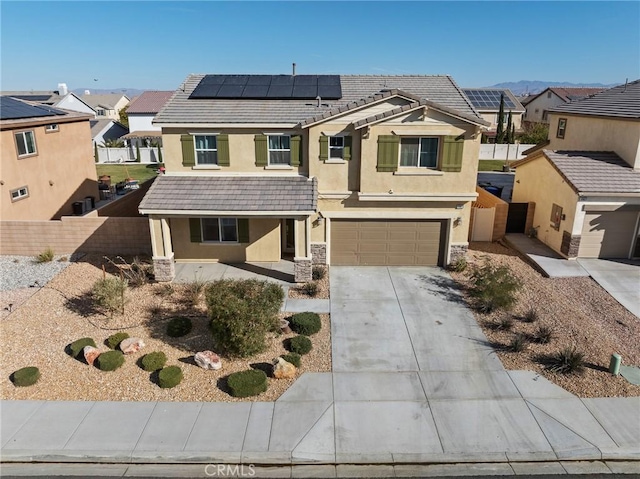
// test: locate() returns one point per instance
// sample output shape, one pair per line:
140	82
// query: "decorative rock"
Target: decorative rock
283	369
208	360
131	345
284	326
90	354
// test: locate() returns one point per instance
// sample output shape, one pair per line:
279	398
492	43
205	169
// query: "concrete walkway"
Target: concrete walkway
414	381
620	278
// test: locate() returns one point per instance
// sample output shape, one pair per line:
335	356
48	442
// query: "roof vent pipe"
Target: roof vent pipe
294	69
625	84
319	100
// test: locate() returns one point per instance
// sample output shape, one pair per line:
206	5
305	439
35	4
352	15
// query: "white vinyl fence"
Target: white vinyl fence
503	152
128	154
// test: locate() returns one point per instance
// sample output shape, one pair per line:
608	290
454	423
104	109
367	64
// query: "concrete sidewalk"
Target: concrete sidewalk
548	262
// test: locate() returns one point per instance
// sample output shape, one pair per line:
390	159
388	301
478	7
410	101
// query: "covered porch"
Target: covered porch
280	272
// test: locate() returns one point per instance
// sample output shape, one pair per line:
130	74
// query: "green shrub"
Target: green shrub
299	344
46	256
458	265
165	290
169	377
137	273
26	376
247	383
179	326
109	293
76	347
494	287
518	343
193	291
318	273
242	312
566	361
531	316
293	358
543	334
305	323
153	361
110	361
114	340
504	324
310	289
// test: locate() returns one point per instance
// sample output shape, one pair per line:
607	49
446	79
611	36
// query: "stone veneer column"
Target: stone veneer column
302	270
570	245
319	253
458	251
164	268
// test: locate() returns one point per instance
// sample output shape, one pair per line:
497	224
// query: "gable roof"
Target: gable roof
440	89
15	113
480	105
108	100
571	94
622	101
98	126
149	102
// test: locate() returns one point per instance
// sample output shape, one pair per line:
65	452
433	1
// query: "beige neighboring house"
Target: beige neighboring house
585	181
141	112
538	107
486	101
335	169
47	160
106	105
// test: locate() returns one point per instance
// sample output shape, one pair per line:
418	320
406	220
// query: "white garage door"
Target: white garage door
607	234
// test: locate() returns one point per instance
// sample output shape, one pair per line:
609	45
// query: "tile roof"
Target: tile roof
98	125
44	96
570	94
440	89
149	102
595	171
622	101
209	194
107	100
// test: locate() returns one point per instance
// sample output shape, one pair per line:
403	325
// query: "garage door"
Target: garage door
387	242
607	234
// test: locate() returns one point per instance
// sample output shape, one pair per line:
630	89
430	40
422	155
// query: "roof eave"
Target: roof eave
235	214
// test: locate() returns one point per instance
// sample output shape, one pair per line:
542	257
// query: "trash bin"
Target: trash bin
78	207
91	202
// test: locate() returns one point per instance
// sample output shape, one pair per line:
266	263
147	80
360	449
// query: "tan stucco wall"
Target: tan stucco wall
491	117
264	236
541	103
598	134
62	172
334	177
539	182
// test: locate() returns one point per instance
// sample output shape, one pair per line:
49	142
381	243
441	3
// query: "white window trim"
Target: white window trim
269	150
336	159
20	195
35	146
418	167
220	241
212	166
51	128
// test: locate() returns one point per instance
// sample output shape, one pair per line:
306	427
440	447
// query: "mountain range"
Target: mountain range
528	87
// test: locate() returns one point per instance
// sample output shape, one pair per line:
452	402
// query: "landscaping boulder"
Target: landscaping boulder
284	326
283	370
90	354
131	345
208	360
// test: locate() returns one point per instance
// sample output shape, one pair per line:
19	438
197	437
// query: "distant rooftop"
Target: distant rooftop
14	109
488	99
44	96
108	100
571	94
149	102
620	102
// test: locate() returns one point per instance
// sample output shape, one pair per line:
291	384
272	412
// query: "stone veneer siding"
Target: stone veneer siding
302	270
319	253
458	251
570	245
164	268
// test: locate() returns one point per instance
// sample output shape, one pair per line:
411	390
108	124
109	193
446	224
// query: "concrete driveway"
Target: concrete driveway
620	278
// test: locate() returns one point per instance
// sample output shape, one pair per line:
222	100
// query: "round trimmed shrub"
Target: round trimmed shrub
110	361
169	377
153	361
293	358
305	323
247	383
78	345
179	326
114	340
26	376
299	344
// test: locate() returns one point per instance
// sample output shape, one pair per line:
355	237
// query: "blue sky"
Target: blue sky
156	44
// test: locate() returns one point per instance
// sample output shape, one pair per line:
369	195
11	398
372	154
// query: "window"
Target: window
562	128
545	115
206	149
26	143
419	152
336	147
279	150
556	216
219	230
548	94
100	112
51	128
19	193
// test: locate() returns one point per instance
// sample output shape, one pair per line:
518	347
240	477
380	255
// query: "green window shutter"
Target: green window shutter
194	230
296	150
452	154
222	143
188	151
324	148
262	150
388	152
346	153
243	230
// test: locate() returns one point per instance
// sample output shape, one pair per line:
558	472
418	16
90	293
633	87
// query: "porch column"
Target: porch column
302	263
163	264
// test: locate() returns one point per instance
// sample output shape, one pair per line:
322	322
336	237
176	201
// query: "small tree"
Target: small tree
159	154
95	153
138	157
500	128
494	287
534	133
509	132
124	116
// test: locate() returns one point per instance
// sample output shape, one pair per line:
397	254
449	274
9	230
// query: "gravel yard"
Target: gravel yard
322	284
37	332
580	313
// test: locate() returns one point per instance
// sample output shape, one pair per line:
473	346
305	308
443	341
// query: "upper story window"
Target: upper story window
51	128
419	152
336	147
100	112
545	115
562	128
219	230
26	143
19	193
548	94
206	149
279	150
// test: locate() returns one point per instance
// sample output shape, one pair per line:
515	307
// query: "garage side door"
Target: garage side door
387	242
607	234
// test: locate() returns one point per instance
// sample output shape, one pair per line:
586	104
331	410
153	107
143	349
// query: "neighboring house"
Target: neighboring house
102	130
47	160
107	105
141	112
537	107
338	169
60	98
486	101
585	181
73	102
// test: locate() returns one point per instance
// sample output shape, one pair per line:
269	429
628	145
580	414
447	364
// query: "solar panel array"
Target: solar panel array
12	109
269	87
490	99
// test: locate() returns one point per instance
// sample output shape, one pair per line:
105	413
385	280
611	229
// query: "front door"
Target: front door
288	236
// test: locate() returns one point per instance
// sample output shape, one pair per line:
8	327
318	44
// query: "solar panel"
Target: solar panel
230	91
330	92
213	80
12	109
305	91
236	80
305	80
282	80
259	80
489	99
329	80
280	91
255	91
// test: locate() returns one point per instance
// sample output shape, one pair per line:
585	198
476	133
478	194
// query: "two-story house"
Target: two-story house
538	107
141	112
337	169
486	102
106	105
585	181
47	160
